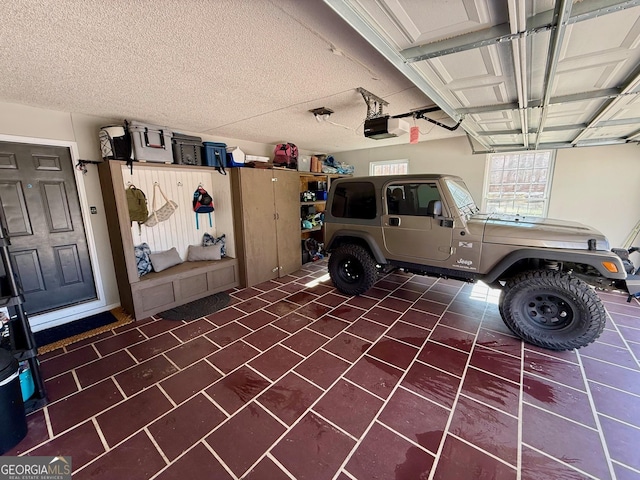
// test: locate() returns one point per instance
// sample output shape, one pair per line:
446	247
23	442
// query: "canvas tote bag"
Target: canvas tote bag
164	212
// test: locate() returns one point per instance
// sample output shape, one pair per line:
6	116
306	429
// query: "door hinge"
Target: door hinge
275	269
274	179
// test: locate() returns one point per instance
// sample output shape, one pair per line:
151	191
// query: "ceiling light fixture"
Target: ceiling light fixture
322	114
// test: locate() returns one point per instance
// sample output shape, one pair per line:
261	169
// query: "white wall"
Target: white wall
598	186
24	122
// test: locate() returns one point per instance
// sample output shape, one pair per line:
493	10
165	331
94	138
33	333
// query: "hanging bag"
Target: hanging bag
202	203
164	212
137	205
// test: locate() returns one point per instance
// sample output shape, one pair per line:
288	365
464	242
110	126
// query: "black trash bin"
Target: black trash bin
13	421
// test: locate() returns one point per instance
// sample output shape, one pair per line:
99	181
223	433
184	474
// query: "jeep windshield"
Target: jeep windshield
462	197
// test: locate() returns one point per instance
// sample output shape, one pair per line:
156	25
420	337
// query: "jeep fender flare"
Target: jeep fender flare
592	258
366	238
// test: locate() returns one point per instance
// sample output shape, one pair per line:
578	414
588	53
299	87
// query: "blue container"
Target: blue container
321	194
235	157
214	154
26	382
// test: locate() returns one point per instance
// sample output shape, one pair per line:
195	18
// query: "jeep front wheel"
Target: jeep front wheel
352	269
552	310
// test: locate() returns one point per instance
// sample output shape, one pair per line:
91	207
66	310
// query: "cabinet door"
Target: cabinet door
287	201
259	224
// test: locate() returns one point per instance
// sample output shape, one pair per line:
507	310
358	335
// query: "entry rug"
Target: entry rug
198	308
63	335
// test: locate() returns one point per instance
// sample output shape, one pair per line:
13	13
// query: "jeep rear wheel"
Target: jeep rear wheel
552	310
352	269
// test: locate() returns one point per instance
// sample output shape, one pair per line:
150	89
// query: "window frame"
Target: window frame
548	185
433	185
382	163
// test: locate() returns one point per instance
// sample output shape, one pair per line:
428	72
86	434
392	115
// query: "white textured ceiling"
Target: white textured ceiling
517	74
245	69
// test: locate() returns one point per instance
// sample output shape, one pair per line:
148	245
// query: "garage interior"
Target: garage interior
418	379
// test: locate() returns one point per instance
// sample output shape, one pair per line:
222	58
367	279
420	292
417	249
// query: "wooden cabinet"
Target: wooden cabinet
267	223
159	291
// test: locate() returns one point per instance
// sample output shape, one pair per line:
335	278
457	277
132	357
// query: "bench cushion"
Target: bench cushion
198	253
163	260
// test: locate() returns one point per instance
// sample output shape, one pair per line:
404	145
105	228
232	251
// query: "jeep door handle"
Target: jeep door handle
394	221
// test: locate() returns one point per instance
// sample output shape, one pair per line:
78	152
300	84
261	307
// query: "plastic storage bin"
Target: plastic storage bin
187	149
13	421
304	163
214	154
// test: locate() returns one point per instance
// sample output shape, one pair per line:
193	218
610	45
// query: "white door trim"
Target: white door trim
76	312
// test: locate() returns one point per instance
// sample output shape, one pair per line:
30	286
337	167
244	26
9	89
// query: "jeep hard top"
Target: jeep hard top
430	225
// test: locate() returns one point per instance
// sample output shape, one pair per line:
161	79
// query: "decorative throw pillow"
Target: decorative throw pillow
163	260
198	253
209	240
143	261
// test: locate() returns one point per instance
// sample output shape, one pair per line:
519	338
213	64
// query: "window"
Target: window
354	200
462	197
518	183
389	167
411	198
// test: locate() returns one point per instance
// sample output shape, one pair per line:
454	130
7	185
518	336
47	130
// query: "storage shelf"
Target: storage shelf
315	202
314	229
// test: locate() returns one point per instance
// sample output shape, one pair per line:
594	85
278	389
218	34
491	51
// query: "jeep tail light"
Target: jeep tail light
612	267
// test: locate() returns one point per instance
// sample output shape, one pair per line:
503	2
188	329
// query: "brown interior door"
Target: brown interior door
49	250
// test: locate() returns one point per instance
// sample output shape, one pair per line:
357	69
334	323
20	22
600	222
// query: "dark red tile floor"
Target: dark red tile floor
417	379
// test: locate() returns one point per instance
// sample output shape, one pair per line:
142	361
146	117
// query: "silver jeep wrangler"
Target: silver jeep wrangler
430	225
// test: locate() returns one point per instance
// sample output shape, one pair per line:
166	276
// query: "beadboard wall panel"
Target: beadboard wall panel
179	184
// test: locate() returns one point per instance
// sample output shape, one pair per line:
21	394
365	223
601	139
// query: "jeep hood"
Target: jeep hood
538	232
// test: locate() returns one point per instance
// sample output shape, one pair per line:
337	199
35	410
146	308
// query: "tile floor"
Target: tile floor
417	379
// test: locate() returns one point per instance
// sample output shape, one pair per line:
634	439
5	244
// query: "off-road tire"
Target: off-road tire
501	308
352	269
552	310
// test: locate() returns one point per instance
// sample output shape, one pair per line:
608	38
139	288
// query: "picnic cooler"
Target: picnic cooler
214	154
235	157
151	143
187	149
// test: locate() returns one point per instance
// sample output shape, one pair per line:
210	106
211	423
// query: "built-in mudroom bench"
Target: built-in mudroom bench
154	292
